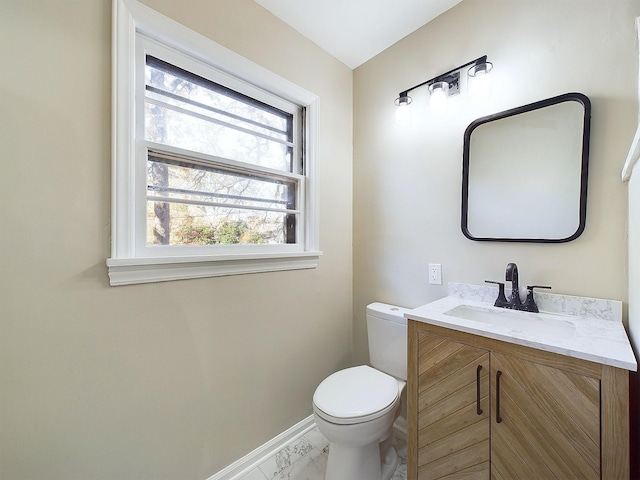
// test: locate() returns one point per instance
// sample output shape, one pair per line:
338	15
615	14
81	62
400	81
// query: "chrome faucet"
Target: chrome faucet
511	275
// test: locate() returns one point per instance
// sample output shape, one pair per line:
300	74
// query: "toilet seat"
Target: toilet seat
356	395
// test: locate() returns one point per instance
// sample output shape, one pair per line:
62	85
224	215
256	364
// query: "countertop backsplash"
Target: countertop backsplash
602	309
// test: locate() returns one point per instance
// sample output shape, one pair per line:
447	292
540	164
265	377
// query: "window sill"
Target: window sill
129	271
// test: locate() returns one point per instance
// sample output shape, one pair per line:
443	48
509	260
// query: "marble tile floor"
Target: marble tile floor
306	459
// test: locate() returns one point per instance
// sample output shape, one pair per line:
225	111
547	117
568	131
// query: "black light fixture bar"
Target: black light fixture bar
448	77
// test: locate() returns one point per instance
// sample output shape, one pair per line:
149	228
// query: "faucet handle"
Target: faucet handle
530	303
501	301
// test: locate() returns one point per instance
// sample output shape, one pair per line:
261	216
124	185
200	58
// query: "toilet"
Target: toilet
355	408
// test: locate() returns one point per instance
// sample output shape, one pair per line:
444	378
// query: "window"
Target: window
232	172
214	158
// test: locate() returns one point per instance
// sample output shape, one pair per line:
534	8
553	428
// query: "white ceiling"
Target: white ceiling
354	31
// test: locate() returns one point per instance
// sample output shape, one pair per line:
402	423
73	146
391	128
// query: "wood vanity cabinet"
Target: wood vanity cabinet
480	409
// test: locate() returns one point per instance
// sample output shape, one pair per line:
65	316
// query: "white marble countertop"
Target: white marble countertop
587	335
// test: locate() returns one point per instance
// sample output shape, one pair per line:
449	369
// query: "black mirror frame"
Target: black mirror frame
586	132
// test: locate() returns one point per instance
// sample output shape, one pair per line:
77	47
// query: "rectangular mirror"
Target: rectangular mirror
524	173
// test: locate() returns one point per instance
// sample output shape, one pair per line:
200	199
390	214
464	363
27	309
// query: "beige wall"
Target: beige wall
407	181
171	380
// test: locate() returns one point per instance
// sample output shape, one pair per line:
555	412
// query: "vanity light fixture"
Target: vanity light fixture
447	84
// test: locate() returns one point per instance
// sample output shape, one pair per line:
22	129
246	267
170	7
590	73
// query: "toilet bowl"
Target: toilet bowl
355	408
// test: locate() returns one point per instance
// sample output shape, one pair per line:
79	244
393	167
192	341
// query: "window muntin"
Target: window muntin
216	182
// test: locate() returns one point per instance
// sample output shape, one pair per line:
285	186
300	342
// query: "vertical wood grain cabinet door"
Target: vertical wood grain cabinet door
453	410
545	422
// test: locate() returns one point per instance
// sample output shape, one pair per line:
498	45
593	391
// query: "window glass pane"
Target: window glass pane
183	181
170	82
189	204
190	112
191	133
185	224
215	116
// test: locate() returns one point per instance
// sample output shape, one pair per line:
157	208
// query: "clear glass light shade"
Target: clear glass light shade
403	112
438	93
480	84
403	100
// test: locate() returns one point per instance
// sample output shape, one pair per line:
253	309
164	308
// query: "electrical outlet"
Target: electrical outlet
435	274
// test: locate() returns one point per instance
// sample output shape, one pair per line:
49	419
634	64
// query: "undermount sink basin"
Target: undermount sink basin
515	319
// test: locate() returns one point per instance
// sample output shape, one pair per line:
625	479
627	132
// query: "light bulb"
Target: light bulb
438	93
480	84
403	114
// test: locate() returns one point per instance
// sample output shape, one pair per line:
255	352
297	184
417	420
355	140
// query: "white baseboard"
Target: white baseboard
250	461
241	467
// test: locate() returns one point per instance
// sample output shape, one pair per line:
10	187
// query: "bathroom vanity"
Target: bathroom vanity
500	394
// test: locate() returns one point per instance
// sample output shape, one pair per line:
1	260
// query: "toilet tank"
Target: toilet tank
387	332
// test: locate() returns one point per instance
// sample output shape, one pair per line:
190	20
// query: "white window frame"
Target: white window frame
133	24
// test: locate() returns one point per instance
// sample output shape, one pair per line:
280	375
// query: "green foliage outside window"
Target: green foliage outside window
227	233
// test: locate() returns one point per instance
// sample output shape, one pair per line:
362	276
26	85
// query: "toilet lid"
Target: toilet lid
356	392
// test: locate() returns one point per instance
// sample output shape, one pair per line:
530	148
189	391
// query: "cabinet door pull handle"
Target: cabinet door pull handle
478	409
498	417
